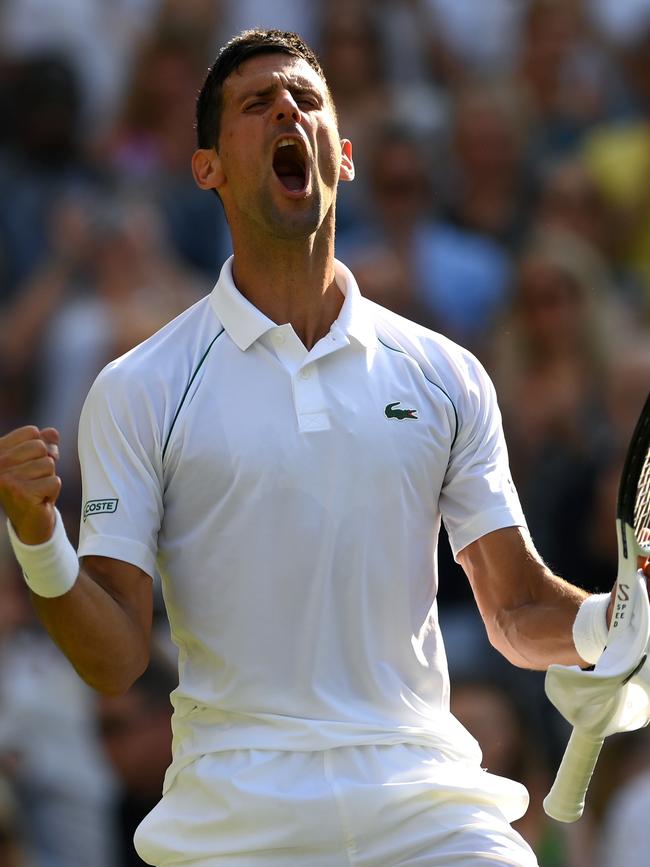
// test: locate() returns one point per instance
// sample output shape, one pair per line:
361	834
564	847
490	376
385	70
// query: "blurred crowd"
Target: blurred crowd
502	198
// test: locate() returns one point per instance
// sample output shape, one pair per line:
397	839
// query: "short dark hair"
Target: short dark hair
240	48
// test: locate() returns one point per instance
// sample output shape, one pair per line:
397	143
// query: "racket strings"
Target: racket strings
642	505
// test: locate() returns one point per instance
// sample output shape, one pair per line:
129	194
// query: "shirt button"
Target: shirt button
278	339
305	373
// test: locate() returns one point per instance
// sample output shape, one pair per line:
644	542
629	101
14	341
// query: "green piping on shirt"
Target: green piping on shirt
189	385
439	387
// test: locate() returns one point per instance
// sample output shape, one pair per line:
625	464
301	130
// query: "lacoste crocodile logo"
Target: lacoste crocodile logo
392	412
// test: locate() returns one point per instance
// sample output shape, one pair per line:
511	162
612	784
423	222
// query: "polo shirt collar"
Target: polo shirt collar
245	324
354	319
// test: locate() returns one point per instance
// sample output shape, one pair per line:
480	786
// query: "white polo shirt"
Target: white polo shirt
291	502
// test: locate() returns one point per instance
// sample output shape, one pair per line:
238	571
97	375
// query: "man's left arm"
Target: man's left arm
527	610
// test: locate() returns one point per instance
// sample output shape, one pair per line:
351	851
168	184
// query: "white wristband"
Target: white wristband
590	627
51	568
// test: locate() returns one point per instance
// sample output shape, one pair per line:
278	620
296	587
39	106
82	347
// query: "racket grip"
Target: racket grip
566	800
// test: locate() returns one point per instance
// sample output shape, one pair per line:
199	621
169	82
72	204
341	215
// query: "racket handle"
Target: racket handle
566	800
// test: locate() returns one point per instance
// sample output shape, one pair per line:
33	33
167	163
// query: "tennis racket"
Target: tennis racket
566	799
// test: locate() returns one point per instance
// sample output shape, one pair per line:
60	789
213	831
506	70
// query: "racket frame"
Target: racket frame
566	799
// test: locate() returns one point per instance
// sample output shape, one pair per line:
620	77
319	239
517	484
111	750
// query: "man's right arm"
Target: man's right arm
103	621
103	624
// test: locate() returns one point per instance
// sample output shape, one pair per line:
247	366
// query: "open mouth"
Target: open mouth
290	165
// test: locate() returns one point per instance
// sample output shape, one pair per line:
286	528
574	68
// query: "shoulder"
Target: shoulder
164	361
454	366
141	389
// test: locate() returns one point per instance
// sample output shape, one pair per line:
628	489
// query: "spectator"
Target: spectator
572	204
47	742
484	37
44	158
85	307
199	20
570	201
569	79
618	155
551	355
619	22
136	733
150	146
95	39
352	58
12	852
419	65
625	388
421	267
487	189
154	132
95	98
303	18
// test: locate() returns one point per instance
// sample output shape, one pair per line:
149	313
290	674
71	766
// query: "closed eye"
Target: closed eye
307	100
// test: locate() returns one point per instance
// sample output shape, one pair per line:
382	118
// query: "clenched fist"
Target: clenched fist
29	485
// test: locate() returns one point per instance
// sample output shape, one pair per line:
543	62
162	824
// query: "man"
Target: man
282	453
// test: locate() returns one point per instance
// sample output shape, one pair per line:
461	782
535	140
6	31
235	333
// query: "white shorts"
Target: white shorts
362	806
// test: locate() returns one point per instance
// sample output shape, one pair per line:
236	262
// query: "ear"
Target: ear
207	169
347	166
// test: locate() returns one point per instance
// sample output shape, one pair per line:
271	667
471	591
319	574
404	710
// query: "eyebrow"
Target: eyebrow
297	85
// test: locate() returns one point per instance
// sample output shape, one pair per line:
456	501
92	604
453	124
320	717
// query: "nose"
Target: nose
286	107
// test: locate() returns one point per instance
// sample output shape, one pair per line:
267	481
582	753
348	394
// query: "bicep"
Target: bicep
130	586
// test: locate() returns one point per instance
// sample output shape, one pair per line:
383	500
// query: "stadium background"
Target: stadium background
503	197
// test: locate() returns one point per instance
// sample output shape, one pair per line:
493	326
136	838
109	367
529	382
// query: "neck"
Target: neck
290	281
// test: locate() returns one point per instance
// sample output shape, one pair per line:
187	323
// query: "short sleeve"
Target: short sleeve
478	494
121	473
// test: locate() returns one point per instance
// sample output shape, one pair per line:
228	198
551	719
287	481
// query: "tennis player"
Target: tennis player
282	454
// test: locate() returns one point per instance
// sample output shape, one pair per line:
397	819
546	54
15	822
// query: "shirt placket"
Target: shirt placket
308	396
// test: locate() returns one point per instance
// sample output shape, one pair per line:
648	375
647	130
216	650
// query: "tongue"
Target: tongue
292	182
289	168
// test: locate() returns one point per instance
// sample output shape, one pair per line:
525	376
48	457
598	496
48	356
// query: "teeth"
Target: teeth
286	142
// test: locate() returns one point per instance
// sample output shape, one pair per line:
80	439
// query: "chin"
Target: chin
295	223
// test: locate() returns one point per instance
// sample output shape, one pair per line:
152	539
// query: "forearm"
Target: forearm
99	612
96	631
538	632
528	611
